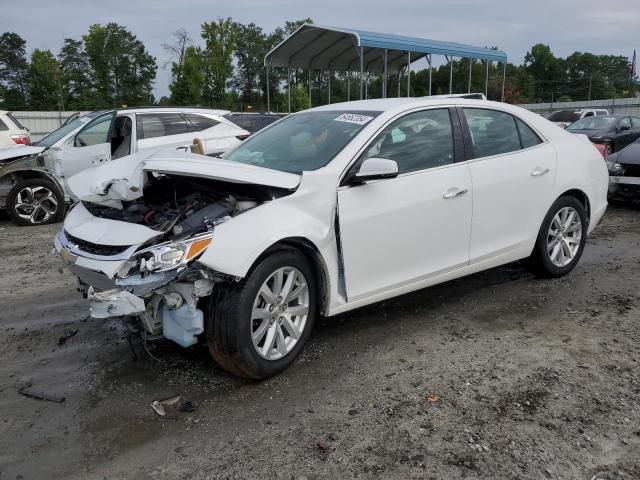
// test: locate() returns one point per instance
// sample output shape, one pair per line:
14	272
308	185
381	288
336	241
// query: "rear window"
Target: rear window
564	116
153	125
200	122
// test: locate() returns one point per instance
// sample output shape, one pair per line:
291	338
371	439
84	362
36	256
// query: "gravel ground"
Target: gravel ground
497	375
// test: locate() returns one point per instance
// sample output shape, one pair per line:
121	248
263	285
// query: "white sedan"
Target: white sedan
325	211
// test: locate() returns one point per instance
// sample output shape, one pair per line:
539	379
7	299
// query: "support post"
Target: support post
361	72
289	87
504	79
384	83
329	81
486	81
470	67
348	86
430	70
399	79
268	97
450	75
309	86
408	74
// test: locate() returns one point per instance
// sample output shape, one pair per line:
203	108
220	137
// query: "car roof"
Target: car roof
210	111
388	104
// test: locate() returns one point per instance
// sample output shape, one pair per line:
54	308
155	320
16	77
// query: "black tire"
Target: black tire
540	260
229	318
52	214
609	147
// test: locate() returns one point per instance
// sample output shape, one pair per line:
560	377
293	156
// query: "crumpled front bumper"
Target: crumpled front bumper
165	302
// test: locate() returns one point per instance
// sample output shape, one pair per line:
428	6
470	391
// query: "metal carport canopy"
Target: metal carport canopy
332	48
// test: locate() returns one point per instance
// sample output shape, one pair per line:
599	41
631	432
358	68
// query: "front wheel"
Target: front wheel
561	239
35	201
257	328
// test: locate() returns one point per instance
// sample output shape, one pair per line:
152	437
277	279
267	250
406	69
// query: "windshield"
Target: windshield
302	142
593	123
564	116
48	140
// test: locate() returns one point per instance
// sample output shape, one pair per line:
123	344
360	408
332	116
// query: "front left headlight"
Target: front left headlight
615	168
166	256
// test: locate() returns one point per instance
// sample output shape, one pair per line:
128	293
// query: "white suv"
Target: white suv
12	133
33	178
564	118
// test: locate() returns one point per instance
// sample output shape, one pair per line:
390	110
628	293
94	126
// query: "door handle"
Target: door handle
454	192
184	149
539	171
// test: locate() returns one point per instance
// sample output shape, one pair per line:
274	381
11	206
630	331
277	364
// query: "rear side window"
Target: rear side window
492	132
152	125
246	122
3	126
416	141
635	123
528	137
200	122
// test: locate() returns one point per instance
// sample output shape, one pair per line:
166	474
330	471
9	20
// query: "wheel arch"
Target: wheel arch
582	197
17	175
313	255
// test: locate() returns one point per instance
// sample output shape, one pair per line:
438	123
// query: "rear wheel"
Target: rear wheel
609	147
561	239
35	201
257	328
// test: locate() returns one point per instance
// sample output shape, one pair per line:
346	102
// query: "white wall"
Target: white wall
627	106
41	123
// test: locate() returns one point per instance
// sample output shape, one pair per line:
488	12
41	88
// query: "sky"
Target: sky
596	26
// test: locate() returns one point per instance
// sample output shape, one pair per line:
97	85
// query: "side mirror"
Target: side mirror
625	127
375	169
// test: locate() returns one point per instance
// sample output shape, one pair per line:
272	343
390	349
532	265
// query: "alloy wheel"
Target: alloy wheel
564	237
280	312
36	204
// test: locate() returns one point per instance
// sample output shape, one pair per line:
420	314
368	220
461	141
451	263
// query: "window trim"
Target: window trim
456	131
467	133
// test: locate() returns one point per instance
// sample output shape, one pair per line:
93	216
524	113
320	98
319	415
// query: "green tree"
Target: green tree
45	82
187	88
14	87
78	91
122	68
249	53
217	59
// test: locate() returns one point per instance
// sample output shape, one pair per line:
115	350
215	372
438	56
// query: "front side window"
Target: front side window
416	141
625	122
492	132
95	133
593	123
302	142
152	125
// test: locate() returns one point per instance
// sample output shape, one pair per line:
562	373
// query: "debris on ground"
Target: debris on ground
186	407
161	406
433	398
29	392
67	335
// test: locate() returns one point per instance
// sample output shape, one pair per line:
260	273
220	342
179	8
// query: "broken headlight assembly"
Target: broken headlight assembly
615	168
166	256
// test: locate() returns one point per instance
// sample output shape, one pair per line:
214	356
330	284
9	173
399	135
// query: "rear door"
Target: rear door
513	172
625	135
399	231
163	130
90	147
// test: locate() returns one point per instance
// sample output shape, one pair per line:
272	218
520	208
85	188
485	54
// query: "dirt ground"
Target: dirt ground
498	375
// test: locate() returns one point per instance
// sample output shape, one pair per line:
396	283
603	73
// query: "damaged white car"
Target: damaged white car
325	211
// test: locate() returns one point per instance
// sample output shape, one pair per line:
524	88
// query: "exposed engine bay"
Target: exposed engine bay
158	281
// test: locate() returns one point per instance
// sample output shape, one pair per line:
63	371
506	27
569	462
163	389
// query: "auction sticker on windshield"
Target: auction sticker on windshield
353	118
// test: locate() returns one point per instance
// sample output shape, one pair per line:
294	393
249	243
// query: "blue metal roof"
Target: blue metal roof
336	48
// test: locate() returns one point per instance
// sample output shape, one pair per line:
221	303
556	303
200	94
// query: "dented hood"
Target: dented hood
124	179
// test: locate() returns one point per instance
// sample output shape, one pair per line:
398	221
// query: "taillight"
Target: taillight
20	139
242	137
602	149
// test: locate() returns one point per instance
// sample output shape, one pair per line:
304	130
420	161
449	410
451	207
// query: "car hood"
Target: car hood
124	179
13	153
629	155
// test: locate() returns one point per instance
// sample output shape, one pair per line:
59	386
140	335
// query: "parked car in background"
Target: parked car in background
624	172
327	210
12	133
33	178
564	118
613	131
253	122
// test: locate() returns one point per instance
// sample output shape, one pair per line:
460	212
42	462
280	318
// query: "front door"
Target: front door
90	147
400	231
